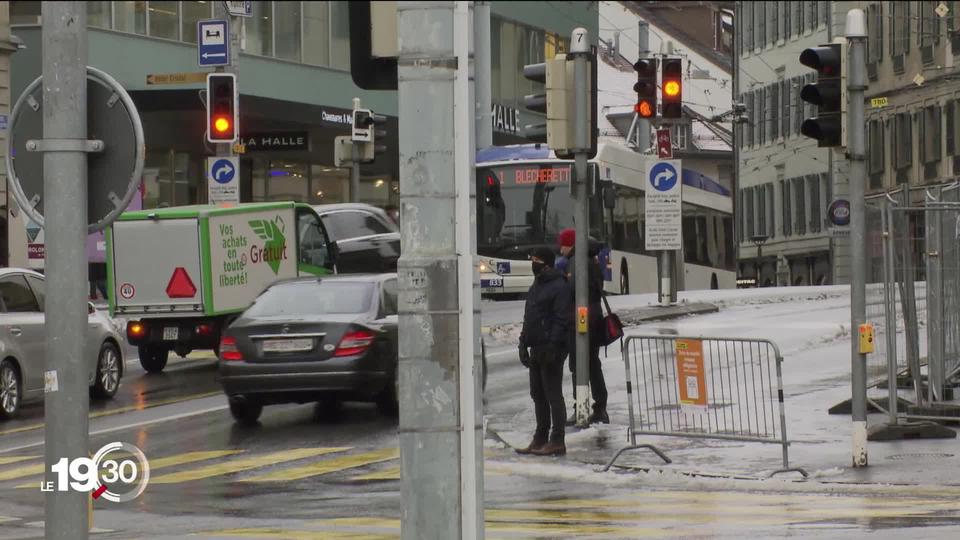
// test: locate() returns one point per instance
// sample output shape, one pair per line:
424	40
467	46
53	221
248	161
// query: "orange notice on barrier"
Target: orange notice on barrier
691	377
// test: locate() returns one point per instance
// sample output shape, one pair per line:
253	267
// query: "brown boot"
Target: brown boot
552	448
534	445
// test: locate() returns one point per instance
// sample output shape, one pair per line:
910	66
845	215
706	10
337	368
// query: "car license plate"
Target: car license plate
171	333
287	345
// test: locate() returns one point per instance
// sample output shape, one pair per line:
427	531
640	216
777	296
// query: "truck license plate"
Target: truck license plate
171	333
287	345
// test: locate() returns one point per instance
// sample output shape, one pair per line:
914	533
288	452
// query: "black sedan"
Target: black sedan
367	239
313	339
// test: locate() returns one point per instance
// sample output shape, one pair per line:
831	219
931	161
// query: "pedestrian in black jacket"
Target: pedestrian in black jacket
547	317
598	387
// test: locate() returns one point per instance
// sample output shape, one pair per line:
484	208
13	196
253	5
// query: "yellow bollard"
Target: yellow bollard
89	514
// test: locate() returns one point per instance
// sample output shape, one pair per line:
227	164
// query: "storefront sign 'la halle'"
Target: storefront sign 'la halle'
287	140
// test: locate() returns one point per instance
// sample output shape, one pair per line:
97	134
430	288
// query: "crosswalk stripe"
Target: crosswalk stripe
540	530
15	459
21	472
328	466
171	461
5	519
239	465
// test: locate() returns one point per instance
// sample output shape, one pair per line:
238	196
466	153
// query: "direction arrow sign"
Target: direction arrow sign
213	43
663	211
223	185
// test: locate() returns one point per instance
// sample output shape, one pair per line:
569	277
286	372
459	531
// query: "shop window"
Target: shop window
286	181
164	19
130	17
287	20
260	29
329	184
192	13
25	12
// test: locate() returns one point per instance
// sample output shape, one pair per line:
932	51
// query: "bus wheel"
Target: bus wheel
624	279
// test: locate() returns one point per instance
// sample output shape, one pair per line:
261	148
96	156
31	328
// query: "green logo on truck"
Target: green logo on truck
274	249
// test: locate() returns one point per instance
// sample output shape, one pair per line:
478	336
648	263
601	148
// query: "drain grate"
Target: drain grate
920	455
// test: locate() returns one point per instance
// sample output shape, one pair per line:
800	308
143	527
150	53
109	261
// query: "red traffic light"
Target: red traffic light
645	109
221	108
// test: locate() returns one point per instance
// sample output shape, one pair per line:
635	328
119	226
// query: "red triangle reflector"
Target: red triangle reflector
181	286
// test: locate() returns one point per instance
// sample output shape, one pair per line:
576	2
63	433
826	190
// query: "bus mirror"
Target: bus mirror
609	198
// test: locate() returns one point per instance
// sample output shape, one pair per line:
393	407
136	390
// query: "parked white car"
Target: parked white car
23	345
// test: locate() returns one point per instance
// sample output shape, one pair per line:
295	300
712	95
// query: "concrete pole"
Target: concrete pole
432	143
483	79
66	400
468	279
355	162
856	84
643	125
579	50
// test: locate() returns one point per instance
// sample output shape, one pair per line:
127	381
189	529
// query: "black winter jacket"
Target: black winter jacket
594	283
548	313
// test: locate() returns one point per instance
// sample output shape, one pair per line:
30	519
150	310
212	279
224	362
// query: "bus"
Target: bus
523	201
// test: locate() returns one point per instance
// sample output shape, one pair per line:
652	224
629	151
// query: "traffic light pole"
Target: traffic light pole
66	398
579	50
643	125
227	149
856	80
355	163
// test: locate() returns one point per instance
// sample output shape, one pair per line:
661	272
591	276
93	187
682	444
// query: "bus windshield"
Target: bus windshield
525	204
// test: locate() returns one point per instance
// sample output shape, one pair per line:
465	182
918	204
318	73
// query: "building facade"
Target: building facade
786	183
295	85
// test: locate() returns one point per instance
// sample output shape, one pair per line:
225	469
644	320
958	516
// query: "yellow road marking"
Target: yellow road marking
327	466
171	461
289	534
704	497
239	465
21	472
5	519
15	459
540	529
393	473
121	410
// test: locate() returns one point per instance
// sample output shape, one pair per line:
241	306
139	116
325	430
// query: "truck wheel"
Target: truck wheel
153	359
245	412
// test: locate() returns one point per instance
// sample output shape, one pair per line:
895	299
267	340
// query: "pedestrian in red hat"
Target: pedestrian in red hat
598	387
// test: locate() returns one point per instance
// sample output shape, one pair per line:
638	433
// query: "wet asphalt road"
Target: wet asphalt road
306	472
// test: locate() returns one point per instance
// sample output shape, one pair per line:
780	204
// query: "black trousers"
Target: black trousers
598	387
546	389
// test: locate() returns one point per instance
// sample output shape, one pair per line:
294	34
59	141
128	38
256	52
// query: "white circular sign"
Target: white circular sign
127	291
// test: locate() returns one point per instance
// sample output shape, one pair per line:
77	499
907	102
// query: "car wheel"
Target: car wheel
246	412
153	359
11	390
107	380
388	402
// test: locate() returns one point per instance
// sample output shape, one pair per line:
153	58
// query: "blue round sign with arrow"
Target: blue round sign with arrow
223	171
663	176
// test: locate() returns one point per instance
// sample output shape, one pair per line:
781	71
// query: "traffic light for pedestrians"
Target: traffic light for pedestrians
222	113
828	93
672	86
646	87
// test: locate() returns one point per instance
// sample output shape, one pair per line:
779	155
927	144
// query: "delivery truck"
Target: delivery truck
180	275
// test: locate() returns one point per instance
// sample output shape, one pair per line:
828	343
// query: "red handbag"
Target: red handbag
611	329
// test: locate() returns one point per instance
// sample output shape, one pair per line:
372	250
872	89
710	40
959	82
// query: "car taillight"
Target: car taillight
136	330
228	349
354	343
204	330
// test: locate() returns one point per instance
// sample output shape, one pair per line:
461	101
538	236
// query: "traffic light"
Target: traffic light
222	107
646	87
829	94
557	132
375	127
672	85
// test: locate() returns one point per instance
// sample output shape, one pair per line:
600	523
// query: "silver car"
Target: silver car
22	344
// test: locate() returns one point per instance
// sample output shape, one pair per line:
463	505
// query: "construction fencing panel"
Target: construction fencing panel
701	387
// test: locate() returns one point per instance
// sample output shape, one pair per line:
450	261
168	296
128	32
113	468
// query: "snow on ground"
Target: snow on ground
811	327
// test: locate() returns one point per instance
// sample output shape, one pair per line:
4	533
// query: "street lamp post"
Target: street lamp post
758	240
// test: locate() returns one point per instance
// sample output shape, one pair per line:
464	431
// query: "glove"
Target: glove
525	357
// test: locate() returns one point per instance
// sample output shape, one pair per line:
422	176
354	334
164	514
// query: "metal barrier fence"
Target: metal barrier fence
700	387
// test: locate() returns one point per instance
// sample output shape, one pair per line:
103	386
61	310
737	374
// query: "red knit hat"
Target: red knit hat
567	237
